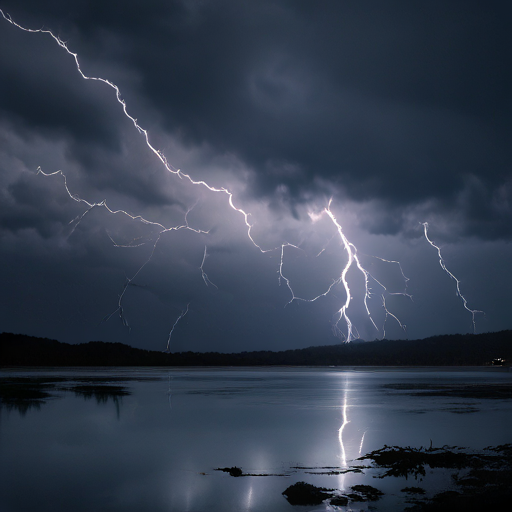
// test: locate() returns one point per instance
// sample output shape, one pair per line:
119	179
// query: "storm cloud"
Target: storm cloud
398	112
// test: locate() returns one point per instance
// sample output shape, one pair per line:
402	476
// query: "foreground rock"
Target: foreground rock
302	493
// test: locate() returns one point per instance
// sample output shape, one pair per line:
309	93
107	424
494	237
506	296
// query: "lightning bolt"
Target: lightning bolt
158	153
205	277
404	277
282	277
388	313
90	206
129	281
183	313
103	204
457	282
353	259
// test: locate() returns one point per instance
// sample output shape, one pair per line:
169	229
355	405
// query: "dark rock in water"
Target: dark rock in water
368	492
355	497
446	496
302	493
413	490
234	471
340	501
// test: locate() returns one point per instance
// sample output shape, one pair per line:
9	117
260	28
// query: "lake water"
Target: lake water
157	448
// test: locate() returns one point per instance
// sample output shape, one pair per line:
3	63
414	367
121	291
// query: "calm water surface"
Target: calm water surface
157	448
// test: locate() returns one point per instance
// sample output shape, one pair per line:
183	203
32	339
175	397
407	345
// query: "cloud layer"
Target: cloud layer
400	113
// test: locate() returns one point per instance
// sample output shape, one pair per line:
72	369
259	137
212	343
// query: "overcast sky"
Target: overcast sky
398	111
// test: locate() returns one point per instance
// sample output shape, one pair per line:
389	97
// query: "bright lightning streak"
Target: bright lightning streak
443	266
352	256
101	204
159	154
183	313
353	259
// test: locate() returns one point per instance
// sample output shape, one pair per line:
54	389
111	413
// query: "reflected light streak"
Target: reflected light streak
342	441
340	431
361	444
249	497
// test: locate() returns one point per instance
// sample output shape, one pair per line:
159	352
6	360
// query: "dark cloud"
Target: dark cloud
400	112
395	101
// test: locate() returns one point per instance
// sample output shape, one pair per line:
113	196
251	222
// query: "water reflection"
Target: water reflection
284	426
341	431
343	455
22	394
361	443
249	497
102	394
25	393
350	448
169	392
21	406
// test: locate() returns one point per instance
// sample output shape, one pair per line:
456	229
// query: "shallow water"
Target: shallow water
157	448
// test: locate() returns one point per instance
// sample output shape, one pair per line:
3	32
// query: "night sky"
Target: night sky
398	111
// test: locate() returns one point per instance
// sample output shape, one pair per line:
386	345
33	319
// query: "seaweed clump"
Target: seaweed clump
303	493
403	462
486	486
234	471
368	492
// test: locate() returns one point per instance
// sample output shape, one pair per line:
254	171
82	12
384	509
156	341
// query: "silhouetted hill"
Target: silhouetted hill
447	350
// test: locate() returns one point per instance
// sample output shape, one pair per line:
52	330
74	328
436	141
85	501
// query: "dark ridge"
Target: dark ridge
445	350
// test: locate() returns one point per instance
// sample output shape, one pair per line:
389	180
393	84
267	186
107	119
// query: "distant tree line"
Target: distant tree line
444	350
